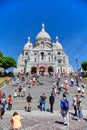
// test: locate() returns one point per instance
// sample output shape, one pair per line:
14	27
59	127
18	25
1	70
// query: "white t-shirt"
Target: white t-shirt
79	89
83	91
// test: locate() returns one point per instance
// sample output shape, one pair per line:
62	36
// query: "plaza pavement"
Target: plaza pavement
37	120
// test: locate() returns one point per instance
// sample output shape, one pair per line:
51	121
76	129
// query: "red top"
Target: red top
0	93
10	100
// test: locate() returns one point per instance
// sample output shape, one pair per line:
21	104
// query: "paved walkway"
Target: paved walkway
37	120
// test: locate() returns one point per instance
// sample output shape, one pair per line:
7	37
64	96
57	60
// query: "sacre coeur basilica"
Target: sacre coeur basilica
43	56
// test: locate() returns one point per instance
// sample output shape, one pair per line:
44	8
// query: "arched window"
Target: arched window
35	59
59	53
42	55
59	61
26	53
49	59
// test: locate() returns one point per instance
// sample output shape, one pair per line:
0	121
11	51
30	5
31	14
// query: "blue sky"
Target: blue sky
66	19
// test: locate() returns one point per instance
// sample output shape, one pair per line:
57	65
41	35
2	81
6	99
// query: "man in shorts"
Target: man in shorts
28	100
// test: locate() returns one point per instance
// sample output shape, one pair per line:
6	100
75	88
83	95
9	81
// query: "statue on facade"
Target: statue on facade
28	58
54	57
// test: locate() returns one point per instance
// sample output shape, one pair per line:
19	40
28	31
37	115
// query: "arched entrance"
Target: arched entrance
50	69
33	70
42	70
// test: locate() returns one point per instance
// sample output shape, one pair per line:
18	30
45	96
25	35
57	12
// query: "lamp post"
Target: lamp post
56	63
77	65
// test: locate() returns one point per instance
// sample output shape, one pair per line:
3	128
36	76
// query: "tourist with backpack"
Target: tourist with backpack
64	106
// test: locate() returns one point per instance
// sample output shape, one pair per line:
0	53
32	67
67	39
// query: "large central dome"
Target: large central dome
43	34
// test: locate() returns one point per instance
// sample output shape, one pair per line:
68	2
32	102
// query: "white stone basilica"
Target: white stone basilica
44	56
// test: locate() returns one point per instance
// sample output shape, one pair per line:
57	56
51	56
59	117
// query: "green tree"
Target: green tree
7	62
1	61
11	62
84	65
1	54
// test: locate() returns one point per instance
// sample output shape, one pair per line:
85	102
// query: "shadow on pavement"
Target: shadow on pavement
59	122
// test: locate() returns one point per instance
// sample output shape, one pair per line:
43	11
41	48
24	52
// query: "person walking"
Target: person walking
24	91
9	101
74	104
79	108
1	108
0	94
16	121
67	88
4	103
51	102
43	100
77	80
28	100
82	91
72	82
64	108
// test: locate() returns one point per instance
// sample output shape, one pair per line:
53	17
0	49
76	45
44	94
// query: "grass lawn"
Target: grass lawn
2	79
85	80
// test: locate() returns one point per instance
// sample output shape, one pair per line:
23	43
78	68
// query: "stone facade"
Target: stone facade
43	56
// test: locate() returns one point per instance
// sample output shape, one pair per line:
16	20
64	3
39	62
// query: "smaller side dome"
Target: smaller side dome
28	45
20	55
58	45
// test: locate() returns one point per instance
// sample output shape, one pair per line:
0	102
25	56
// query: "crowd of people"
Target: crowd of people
57	89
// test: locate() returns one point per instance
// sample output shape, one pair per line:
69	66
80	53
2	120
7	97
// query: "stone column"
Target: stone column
37	67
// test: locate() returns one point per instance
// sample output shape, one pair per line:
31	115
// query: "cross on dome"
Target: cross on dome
29	39
43	27
56	39
58	45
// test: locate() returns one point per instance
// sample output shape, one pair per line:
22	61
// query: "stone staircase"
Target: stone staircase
20	102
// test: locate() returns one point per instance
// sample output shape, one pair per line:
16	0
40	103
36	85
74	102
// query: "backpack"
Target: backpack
66	104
